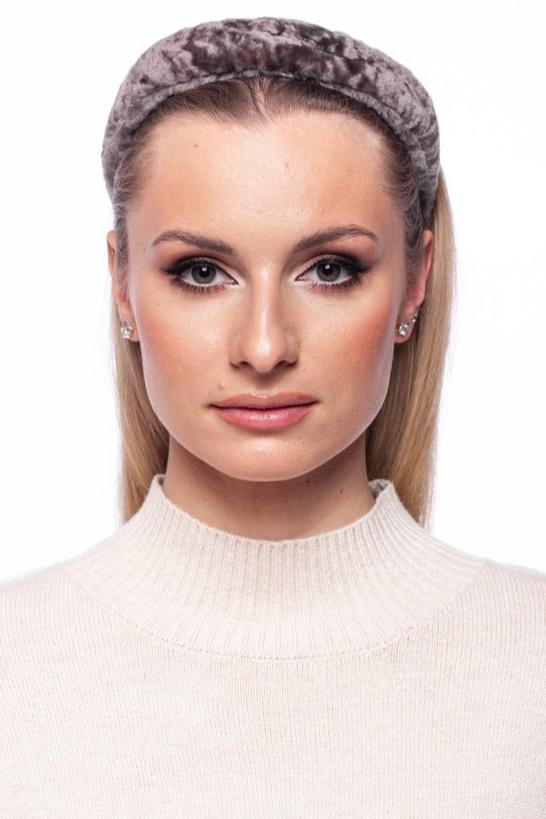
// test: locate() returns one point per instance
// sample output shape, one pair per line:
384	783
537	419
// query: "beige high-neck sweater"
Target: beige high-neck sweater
178	670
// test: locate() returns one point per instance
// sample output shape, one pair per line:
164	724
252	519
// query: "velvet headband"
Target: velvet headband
221	49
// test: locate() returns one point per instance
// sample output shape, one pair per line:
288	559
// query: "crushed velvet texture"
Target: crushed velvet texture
273	45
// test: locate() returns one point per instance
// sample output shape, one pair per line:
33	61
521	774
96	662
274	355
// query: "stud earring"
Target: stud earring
126	330
402	328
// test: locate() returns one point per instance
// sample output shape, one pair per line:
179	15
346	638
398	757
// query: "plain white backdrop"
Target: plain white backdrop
62	64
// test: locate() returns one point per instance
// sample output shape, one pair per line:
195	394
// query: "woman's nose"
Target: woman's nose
265	333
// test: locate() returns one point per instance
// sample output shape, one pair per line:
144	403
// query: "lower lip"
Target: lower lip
274	418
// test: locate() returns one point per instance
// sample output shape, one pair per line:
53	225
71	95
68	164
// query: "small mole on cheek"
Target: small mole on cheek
195	145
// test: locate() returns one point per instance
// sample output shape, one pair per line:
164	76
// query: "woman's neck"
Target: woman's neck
273	507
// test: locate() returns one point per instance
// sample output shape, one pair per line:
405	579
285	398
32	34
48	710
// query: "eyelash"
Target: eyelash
350	263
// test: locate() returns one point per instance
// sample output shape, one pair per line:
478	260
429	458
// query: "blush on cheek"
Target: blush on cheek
175	363
365	361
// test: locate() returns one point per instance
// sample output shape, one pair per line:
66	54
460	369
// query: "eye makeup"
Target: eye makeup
180	269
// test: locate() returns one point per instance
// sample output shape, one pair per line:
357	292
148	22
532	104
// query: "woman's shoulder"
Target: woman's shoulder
516	577
509	597
47	583
27	585
36	604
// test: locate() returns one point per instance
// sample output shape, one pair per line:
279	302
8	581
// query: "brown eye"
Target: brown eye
200	268
205	271
331	267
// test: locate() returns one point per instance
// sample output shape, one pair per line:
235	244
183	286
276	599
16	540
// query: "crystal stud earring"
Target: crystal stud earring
126	330
402	328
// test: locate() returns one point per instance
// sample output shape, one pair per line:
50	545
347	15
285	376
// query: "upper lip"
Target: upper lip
282	399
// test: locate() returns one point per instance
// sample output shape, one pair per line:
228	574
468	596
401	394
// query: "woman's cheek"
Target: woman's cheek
365	360
173	363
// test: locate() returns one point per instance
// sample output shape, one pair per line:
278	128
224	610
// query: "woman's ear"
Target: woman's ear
119	288
417	292
420	286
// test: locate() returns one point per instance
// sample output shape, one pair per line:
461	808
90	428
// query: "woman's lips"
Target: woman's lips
270	418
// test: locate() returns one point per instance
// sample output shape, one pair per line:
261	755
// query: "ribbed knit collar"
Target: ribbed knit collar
204	589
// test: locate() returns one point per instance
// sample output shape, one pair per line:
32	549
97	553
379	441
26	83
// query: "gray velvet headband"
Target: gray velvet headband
221	49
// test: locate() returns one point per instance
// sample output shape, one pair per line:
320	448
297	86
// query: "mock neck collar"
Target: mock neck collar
204	589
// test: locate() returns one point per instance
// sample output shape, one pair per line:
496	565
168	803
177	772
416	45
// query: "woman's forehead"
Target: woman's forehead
299	142
264	169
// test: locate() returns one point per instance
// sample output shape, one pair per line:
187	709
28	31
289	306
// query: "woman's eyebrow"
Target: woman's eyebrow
316	238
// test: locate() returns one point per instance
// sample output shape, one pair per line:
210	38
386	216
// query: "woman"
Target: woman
272	630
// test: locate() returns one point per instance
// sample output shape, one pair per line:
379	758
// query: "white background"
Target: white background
61	65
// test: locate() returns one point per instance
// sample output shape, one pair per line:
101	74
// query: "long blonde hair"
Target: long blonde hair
401	440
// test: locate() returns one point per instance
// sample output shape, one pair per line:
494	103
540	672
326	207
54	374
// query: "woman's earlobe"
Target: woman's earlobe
403	327
126	330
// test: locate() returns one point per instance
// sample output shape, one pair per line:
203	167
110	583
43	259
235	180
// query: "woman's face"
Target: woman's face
266	316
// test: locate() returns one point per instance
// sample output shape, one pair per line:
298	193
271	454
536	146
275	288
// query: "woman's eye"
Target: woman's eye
330	268
328	272
203	269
